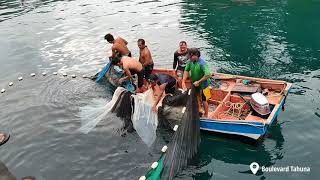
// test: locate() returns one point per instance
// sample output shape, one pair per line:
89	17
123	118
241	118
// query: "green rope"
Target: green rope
155	174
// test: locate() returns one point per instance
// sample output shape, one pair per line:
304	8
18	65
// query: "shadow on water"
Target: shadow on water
5	174
256	38
236	151
240	150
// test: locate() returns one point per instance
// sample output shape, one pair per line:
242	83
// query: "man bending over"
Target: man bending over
130	67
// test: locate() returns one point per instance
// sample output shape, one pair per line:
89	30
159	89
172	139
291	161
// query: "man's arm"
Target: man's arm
204	78
184	78
162	89
114	51
128	73
175	61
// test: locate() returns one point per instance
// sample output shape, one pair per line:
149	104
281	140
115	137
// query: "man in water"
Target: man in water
161	83
119	46
130	67
200	75
181	57
145	59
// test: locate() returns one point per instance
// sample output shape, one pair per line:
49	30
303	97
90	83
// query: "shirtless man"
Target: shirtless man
119	46
130	67
161	84
145	59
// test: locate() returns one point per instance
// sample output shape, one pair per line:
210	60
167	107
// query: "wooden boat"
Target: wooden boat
228	111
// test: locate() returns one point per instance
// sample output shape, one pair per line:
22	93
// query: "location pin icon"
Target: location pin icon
254	167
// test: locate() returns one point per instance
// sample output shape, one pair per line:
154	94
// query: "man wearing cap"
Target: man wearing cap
199	72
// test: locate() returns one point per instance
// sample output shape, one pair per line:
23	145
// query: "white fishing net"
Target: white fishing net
144	120
97	110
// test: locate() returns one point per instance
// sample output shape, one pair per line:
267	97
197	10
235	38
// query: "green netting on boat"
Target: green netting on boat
155	174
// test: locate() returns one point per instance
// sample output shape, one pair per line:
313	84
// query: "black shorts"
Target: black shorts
200	91
140	77
147	71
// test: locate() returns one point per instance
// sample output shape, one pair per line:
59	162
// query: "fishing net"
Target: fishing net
178	98
123	109
144	120
186	140
97	110
170	111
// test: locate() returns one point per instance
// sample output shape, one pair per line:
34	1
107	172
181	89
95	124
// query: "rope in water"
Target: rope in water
20	78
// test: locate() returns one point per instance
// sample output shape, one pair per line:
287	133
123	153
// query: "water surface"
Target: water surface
269	39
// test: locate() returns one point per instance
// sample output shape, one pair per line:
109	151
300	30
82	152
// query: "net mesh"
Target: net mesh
186	140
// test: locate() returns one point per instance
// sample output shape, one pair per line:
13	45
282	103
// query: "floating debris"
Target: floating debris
20	78
11	83
33	74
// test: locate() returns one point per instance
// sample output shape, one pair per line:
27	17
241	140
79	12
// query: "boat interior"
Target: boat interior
231	94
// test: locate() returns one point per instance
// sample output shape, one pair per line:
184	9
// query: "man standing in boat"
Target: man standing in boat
181	57
200	74
130	66
145	58
119	46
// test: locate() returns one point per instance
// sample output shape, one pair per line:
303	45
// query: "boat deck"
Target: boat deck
226	91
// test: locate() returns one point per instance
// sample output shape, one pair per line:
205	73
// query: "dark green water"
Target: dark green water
269	39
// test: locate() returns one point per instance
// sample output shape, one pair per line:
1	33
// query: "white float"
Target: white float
164	149
175	128
154	165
